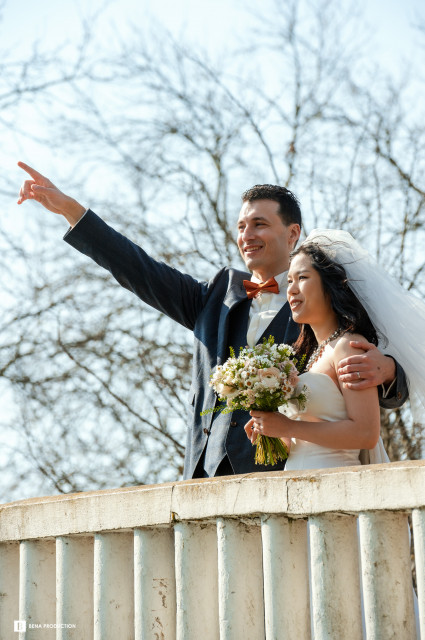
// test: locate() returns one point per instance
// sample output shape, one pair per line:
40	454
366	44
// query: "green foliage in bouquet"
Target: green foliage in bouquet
261	378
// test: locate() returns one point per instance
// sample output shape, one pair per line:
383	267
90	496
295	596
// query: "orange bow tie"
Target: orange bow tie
254	288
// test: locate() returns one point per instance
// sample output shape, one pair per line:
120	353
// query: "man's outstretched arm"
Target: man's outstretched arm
176	294
42	190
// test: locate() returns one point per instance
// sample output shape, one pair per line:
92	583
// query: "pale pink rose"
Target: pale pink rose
268	373
293	377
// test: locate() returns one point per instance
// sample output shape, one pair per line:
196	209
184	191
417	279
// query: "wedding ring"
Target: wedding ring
358	374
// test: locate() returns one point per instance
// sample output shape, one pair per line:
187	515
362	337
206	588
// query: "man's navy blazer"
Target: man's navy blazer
217	312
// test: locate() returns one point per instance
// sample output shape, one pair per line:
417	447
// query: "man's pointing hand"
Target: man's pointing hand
42	190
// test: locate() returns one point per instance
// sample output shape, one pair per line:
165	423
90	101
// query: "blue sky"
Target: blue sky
213	22
216	24
393	42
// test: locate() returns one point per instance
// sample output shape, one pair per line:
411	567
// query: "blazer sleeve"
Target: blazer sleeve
399	393
175	294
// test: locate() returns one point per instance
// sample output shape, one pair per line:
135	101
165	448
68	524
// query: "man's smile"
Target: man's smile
264	240
252	247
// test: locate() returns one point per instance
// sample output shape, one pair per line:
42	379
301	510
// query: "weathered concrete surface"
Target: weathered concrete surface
74	587
418	520
386	576
190	560
9	587
196	581
286	578
154	584
37	588
240	580
335	577
395	486
113	586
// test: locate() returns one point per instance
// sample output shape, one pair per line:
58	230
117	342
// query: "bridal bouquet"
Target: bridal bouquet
264	378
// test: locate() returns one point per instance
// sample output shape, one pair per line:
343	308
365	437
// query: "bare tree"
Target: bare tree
170	139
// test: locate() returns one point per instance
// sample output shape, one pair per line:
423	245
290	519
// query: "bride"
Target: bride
338	294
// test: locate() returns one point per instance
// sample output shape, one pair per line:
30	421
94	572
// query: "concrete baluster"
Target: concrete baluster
154	584
74	587
286	578
196	581
335	577
418	521
113	586
9	588
240	574
37	589
386	576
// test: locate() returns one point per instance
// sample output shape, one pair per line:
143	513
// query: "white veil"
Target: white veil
395	313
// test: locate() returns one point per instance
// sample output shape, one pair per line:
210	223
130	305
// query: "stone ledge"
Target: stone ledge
395	486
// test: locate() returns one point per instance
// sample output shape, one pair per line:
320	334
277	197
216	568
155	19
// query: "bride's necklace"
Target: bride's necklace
320	347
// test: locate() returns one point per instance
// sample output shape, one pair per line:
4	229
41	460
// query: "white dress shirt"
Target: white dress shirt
264	308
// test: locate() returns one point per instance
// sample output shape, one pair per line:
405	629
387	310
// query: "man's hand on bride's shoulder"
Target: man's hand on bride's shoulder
368	368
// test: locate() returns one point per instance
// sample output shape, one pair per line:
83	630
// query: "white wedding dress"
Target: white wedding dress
325	402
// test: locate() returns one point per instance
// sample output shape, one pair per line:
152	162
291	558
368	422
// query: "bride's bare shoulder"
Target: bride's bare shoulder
342	347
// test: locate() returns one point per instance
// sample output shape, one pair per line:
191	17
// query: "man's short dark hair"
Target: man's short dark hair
289	207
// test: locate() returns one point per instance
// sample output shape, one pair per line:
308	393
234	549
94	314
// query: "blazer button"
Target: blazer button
206	431
233	423
399	396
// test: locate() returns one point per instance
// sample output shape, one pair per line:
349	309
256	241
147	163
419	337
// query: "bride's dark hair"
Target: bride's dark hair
349	310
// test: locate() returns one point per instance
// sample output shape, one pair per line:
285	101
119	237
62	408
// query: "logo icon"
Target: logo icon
19	625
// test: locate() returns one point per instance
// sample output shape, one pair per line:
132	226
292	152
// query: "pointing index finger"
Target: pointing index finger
32	172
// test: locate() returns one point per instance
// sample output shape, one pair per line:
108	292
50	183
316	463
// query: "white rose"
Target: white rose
270	372
252	381
270	383
225	390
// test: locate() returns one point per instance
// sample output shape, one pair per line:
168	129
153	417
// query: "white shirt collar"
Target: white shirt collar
281	279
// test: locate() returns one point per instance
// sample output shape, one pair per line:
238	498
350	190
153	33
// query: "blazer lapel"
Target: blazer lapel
234	317
282	327
233	321
238	326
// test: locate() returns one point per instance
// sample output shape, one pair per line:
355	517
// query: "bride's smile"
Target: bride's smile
307	299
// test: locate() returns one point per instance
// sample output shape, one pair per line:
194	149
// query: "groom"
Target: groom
221	313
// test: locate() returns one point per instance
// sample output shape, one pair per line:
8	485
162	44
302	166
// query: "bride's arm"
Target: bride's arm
360	430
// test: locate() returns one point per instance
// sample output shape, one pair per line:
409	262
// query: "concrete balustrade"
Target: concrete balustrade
113	589
154	584
335	578
196	581
37	585
240	579
386	575
286	578
9	586
267	556
418	521
74	586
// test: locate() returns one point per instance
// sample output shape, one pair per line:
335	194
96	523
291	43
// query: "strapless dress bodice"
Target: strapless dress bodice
325	402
